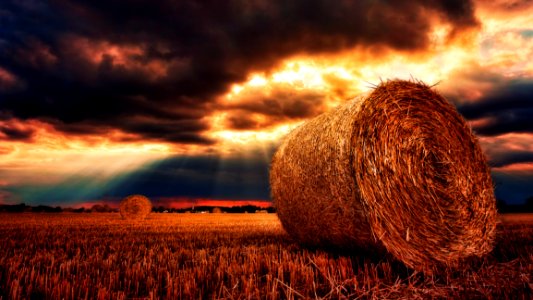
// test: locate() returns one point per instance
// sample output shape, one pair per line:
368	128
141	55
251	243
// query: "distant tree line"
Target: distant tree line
26	208
215	209
503	207
99	208
22	207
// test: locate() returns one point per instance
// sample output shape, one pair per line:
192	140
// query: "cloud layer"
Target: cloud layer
152	69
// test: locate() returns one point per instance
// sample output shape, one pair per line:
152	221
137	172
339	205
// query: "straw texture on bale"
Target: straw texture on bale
135	207
399	169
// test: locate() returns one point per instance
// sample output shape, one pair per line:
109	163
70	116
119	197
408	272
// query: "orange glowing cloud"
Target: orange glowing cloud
50	156
270	103
467	68
7	79
517	169
509	152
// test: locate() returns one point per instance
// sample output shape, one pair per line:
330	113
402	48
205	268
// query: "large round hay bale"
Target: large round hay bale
135	207
399	168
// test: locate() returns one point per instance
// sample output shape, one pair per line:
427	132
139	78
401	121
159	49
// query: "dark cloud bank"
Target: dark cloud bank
204	45
507	109
15	133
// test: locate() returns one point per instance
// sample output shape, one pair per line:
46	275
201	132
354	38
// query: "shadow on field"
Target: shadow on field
513	246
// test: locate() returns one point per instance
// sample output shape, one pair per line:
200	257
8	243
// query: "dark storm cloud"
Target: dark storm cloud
279	106
87	66
509	108
14	132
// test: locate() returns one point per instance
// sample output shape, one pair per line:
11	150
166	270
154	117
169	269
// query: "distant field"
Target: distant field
100	256
523	218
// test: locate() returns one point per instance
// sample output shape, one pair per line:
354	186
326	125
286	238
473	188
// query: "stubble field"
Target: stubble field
232	256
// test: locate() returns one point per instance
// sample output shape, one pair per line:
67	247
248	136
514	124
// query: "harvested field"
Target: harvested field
237	256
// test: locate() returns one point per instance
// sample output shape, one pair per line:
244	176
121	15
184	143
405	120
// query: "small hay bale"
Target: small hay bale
399	169
135	207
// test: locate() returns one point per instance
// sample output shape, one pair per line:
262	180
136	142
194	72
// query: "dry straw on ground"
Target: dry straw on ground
399	168
135	207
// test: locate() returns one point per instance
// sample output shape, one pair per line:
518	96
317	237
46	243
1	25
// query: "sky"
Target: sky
186	101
